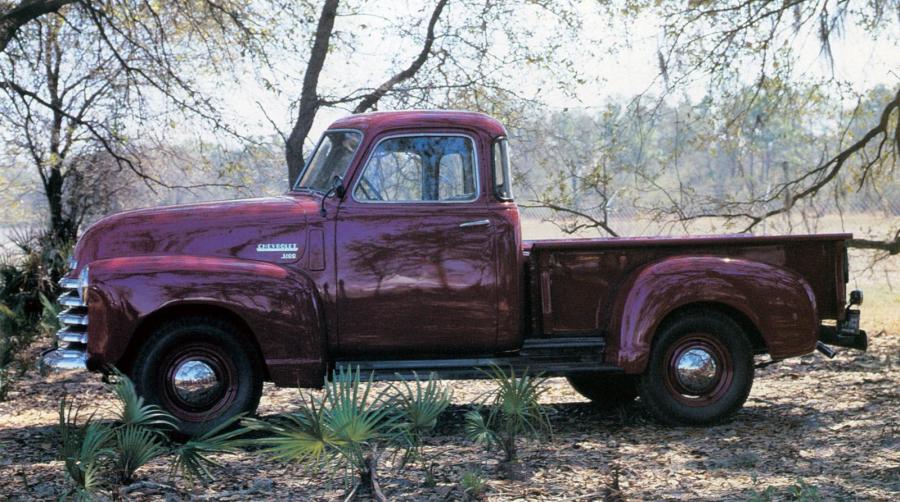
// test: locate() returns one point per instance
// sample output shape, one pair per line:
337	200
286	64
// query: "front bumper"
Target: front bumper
846	333
63	359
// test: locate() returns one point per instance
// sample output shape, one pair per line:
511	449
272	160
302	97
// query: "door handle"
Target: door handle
476	223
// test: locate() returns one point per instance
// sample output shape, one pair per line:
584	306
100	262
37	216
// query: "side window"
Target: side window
420	169
502	177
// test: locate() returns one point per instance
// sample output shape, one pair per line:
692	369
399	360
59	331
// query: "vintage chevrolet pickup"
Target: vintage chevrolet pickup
398	251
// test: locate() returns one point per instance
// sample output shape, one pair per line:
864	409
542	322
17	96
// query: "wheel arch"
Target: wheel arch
775	306
750	329
150	323
129	296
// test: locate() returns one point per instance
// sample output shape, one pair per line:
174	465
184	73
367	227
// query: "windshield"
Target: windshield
331	158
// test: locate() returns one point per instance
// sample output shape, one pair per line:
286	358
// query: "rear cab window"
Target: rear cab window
502	179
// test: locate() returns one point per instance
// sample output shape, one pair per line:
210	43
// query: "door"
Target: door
416	258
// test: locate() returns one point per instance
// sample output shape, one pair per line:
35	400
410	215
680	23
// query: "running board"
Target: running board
544	356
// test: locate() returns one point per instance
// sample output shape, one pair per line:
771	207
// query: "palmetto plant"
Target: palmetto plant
513	409
352	424
134	411
134	447
420	404
99	455
84	449
473	485
192	460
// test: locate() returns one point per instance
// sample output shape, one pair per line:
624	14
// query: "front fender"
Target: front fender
280	306
778	302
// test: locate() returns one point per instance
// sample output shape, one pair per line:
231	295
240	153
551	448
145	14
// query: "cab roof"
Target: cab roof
383	121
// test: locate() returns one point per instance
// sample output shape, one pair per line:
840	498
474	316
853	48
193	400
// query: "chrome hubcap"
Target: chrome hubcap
695	370
196	383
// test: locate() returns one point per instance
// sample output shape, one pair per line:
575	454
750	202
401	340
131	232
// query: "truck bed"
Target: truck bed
573	283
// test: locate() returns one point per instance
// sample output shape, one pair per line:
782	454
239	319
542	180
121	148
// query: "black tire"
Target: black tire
605	389
677	397
219	346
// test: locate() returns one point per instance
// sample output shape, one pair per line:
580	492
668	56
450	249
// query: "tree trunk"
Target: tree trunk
309	98
60	225
368	481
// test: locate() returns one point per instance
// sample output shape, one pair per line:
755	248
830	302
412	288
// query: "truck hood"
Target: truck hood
267	229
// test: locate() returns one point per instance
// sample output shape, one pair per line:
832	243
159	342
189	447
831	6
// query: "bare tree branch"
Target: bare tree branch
372	98
22	13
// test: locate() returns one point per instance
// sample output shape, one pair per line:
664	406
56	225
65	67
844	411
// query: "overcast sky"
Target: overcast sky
633	68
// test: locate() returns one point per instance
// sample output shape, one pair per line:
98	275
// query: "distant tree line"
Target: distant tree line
92	89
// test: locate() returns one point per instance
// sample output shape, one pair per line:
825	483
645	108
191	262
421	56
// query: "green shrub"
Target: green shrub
420	405
513	409
84	449
97	456
352	425
28	280
192	458
800	491
473	485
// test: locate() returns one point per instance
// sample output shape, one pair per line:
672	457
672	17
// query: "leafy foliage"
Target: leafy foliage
420	404
338	428
513	410
473	485
84	448
26	283
192	459
135	446
352	423
134	411
97	455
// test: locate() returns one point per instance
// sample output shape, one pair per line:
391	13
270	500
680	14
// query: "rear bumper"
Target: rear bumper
845	334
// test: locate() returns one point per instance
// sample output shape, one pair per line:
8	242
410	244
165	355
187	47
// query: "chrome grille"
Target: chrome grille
71	353
74	318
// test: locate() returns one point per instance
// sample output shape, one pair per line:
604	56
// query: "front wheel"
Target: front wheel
700	370
200	370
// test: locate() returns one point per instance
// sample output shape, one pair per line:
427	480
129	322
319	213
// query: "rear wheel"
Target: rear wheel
700	370
201	370
605	389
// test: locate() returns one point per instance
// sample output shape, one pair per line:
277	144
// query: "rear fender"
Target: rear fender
280	306
778	302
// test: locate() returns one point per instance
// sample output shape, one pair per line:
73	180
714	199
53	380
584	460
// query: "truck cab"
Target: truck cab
399	251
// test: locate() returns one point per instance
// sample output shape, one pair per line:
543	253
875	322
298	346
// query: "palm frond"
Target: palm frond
354	415
516	401
134	411
135	447
302	436
83	450
421	404
514	409
477	429
191	459
95	443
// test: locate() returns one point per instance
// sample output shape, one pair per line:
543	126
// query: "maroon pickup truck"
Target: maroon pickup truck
399	251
